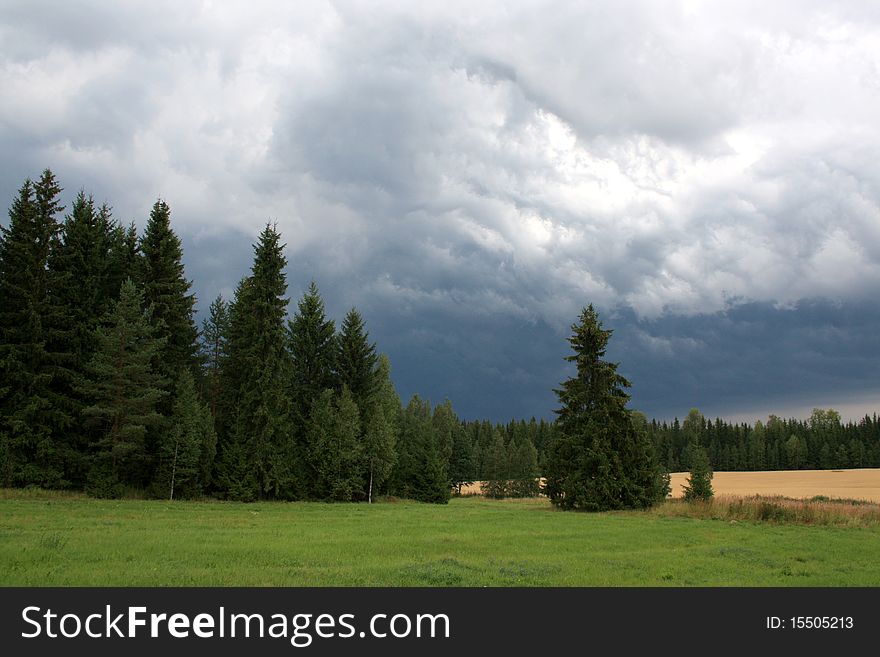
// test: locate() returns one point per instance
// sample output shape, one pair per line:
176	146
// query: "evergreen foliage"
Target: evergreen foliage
313	353
256	456
186	450
215	328
124	389
335	447
30	416
699	484
166	291
599	460
421	472
497	469
356	358
380	431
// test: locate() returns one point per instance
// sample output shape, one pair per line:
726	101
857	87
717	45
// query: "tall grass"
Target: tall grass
819	510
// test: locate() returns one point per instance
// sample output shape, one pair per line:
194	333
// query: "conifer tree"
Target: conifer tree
29	413
166	291
214	336
186	450
356	358
699	483
523	469
79	298
598	460
124	390
421	472
335	448
256	451
380	430
497	469
313	352
462	464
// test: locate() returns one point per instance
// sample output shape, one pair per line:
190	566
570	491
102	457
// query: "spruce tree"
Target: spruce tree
312	348
380	431
166	291
356	359
523	469
29	413
313	352
124	390
699	483
462	464
214	336
335	448
599	460
421	472
79	298
256	457
186	450
497	472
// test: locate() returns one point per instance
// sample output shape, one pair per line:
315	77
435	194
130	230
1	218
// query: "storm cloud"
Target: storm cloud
470	177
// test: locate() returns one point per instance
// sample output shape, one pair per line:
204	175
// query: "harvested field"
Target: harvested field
861	484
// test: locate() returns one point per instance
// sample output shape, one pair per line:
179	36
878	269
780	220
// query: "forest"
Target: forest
108	385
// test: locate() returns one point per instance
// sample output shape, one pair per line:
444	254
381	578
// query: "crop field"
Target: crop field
57	539
861	484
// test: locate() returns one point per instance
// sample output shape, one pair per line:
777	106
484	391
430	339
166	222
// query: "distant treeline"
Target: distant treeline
822	442
108	385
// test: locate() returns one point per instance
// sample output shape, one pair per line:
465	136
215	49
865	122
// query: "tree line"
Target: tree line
821	442
108	385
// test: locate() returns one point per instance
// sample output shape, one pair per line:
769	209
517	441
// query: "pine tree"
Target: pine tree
598	459
186	450
124	389
29	413
256	456
699	484
166	291
356	358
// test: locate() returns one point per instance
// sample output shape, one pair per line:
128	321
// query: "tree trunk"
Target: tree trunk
370	490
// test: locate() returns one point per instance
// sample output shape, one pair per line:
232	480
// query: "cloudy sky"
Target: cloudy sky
470	175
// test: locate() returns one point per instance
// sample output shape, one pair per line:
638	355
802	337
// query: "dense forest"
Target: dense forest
108	385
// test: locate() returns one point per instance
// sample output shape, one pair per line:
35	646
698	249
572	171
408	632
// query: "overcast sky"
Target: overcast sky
470	175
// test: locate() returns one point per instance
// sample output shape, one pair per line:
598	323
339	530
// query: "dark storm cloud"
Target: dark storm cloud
471	176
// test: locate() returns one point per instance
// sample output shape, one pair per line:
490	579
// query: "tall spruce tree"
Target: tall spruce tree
699	483
312	348
124	389
29	413
256	457
497	472
167	292
313	352
79	297
356	359
598	459
523	460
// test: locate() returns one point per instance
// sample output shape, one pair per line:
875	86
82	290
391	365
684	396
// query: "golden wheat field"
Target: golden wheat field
861	484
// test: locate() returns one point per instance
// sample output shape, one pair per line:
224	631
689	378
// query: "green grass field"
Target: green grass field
48	539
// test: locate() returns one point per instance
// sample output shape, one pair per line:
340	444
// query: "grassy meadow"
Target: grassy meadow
51	539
